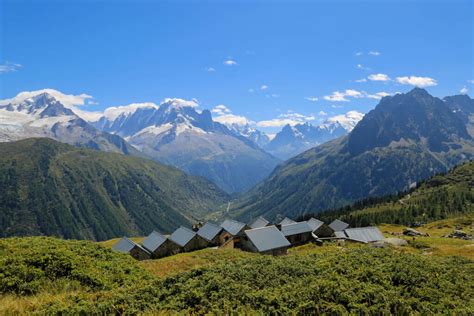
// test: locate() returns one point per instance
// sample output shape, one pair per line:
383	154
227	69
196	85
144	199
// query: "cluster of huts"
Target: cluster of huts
259	236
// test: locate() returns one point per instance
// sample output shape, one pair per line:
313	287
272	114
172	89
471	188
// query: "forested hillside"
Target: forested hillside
54	189
439	197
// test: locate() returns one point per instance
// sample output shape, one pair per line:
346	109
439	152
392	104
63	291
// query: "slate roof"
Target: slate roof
296	228
364	234
209	231
267	238
286	221
182	236
233	227
259	222
125	245
154	241
340	234
314	223
338	225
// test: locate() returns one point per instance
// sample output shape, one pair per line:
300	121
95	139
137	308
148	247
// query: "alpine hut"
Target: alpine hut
320	229
233	230
265	240
160	246
338	225
126	245
259	222
364	234
297	233
187	239
211	233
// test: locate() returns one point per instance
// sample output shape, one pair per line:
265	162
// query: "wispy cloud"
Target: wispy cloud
361	80
322	113
210	69
312	99
359	53
464	90
9	67
374	53
362	67
251	90
230	62
67	100
264	87
378	95
420	82
470	81
379	77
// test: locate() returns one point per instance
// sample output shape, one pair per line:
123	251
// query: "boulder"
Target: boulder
412	232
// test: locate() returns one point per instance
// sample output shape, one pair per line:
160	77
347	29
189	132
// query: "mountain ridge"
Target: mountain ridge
334	174
51	188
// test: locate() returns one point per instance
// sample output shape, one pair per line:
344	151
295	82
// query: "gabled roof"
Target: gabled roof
314	223
125	245
267	238
338	225
232	227
182	236
364	234
296	228
259	222
154	241
209	231
286	221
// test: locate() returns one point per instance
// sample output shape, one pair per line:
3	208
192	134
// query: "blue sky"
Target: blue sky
268	61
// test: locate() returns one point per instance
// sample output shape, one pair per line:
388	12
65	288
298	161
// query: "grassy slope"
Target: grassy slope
74	276
49	188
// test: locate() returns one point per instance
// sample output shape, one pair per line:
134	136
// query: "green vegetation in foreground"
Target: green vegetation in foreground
50	276
53	189
439	197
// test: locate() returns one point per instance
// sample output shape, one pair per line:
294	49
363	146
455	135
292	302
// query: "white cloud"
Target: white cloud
379	77
230	62
417	81
359	54
290	118
378	95
232	119
374	53
264	87
224	115
9	67
322	113
338	96
361	80
464	90
68	100
179	103
210	69
312	99
220	109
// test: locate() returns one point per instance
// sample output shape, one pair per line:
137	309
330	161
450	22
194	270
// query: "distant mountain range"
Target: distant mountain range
177	134
406	138
293	140
44	116
54	189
